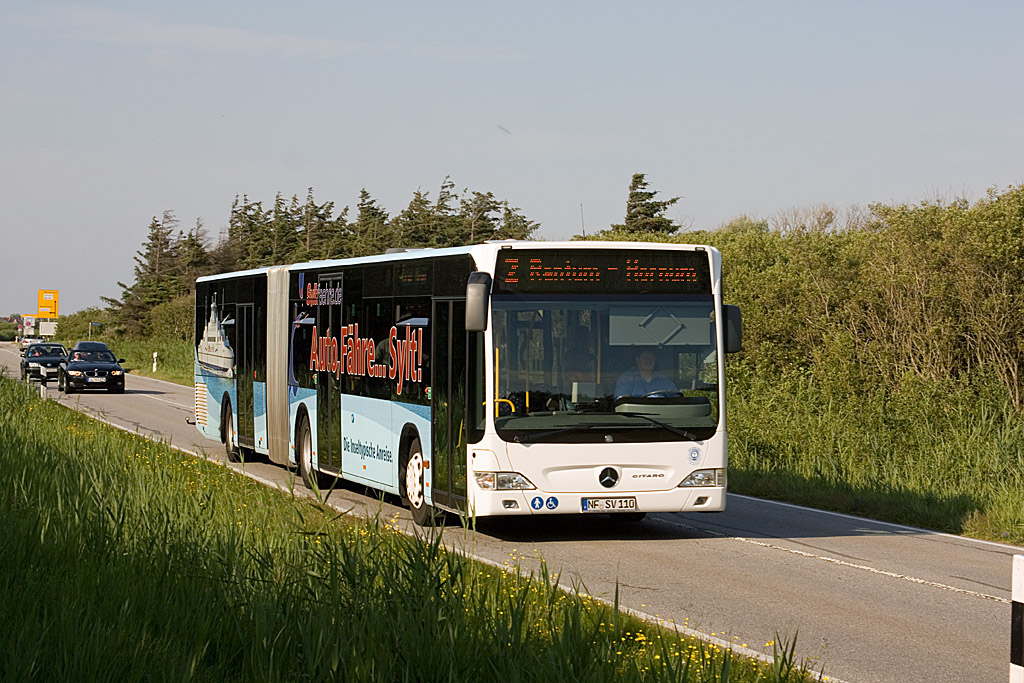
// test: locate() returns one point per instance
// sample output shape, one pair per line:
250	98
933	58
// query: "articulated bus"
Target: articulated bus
504	378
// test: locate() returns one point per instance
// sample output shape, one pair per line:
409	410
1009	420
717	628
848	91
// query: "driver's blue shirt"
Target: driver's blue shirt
632	383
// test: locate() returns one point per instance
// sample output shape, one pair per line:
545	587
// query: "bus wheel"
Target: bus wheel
304	453
227	433
415	490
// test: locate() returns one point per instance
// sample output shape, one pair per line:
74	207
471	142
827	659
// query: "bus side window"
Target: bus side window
376	325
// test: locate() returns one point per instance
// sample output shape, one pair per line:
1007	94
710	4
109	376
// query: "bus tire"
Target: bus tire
415	486
227	433
304	453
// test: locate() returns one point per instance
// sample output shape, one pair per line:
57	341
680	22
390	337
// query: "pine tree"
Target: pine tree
249	235
371	231
321	236
447	229
157	271
643	212
416	226
514	225
284	233
477	223
193	256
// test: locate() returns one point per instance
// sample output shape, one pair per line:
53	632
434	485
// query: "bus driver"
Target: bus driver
643	380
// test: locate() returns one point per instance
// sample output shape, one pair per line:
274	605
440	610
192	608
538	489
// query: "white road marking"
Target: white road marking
835	561
183	406
878	522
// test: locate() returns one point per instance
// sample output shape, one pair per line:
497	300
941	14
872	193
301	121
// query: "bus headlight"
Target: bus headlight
705	478
502	481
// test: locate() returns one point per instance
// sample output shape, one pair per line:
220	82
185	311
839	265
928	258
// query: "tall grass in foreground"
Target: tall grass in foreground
124	560
944	456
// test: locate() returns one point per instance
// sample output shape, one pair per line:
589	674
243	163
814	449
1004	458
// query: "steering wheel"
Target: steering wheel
661	393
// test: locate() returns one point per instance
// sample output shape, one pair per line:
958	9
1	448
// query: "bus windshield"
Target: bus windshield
599	368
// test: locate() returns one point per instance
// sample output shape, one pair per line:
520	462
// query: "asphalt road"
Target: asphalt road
868	601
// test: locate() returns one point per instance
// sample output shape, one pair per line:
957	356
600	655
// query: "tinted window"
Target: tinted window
450	275
378	280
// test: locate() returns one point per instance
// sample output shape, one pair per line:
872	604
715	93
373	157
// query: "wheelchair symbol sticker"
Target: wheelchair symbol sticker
551	503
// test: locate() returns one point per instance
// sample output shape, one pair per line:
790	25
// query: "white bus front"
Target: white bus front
604	382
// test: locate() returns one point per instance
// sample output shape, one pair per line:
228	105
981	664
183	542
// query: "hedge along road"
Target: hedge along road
868	601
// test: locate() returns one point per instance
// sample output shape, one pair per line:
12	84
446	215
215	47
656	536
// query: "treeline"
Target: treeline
867	299
851	300
159	300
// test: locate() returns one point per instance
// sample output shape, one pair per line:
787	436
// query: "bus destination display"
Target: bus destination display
589	270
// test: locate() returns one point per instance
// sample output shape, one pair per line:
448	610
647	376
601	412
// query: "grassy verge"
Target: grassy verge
174	358
941	456
125	560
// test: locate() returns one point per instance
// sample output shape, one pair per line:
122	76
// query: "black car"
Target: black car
91	365
42	360
90	346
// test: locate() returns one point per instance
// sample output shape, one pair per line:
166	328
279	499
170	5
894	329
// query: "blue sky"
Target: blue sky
113	112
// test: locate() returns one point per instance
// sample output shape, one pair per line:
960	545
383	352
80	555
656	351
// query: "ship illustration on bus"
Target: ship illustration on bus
213	351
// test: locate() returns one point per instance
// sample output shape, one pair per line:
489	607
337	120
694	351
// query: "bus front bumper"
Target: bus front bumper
536	502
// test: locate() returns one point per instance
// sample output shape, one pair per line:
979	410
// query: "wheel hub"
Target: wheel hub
414	480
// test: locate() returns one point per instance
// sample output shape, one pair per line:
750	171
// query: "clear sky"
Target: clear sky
113	112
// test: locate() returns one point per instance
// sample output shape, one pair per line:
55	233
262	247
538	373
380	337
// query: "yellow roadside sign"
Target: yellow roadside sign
48	300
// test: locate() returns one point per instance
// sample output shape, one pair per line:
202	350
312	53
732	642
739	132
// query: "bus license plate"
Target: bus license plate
608	504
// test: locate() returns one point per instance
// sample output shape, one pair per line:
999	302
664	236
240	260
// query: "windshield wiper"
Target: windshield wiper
678	431
537	436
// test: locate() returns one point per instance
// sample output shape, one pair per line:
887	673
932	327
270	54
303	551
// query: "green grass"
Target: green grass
944	456
125	560
174	358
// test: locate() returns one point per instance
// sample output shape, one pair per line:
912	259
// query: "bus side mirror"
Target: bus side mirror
733	329
478	294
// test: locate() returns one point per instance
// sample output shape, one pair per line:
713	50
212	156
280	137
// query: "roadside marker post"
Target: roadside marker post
1017	622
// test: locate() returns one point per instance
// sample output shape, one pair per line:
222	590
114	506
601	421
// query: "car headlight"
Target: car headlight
502	481
75	373
115	373
705	478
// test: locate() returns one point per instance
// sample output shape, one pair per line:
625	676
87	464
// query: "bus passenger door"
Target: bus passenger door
448	399
328	387
244	367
